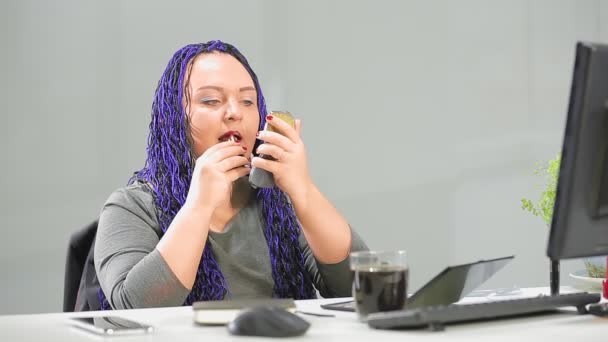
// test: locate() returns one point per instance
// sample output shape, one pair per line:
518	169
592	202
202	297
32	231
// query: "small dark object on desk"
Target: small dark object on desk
314	314
268	321
599	309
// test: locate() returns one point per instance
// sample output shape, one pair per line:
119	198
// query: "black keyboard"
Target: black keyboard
435	317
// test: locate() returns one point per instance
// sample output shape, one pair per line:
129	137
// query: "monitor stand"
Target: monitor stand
554	277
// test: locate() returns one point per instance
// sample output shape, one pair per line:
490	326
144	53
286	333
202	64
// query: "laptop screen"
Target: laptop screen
455	282
448	287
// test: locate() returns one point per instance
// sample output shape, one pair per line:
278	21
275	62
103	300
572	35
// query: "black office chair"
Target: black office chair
80	289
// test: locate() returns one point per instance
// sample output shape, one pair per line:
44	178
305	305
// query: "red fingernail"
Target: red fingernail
269	117
244	148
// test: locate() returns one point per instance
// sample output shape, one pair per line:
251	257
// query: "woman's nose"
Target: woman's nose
233	112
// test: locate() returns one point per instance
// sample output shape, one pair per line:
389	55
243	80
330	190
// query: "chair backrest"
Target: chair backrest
80	277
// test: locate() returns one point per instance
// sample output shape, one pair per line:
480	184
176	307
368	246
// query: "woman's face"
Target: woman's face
223	102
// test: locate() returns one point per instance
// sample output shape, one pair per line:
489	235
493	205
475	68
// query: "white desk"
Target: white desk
175	324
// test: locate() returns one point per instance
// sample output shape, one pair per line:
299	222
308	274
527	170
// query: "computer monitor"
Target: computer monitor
580	217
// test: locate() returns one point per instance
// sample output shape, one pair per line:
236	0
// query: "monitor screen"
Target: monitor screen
579	226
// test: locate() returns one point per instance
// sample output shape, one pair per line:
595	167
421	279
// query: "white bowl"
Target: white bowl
585	283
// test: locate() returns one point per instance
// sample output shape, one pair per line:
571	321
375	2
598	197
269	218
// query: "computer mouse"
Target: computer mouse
267	321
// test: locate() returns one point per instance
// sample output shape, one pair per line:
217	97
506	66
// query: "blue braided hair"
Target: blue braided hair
169	166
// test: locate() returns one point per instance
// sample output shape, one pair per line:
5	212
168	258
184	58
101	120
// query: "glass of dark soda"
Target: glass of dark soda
379	281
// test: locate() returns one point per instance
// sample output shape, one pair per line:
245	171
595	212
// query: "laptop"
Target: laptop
447	287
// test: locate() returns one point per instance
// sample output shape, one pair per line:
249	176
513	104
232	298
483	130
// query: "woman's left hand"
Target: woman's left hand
290	168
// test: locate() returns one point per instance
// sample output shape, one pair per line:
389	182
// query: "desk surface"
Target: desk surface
175	324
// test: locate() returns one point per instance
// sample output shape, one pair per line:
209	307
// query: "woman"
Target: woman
189	227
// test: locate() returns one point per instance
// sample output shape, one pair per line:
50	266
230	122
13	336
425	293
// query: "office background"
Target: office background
423	119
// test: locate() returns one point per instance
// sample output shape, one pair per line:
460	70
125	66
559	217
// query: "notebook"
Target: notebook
447	287
221	312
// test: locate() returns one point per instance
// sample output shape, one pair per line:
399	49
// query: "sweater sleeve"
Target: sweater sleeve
332	280
131	271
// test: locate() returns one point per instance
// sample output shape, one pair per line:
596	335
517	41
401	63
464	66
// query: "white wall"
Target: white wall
423	119
428	118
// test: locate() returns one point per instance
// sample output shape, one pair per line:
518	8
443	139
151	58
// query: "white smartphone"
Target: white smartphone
111	325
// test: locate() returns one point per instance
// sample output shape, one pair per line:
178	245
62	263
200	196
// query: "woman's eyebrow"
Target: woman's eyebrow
248	88
210	87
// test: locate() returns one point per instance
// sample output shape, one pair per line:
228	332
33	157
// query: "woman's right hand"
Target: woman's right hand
213	174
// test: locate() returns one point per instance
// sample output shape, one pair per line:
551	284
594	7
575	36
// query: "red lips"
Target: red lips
236	135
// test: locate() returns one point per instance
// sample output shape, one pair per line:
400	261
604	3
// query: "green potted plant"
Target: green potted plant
543	208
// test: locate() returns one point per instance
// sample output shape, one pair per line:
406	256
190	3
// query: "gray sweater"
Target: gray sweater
133	274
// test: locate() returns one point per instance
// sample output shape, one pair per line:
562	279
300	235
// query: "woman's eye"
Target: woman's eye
248	103
210	102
